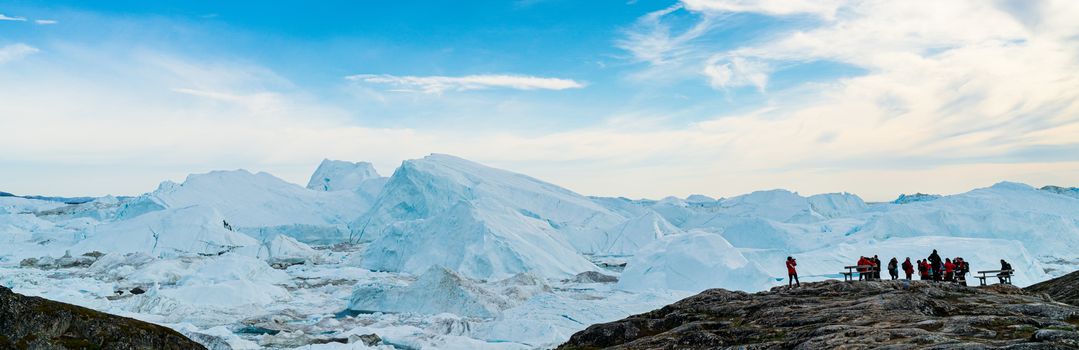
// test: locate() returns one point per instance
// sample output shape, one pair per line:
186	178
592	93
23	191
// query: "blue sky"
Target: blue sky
638	98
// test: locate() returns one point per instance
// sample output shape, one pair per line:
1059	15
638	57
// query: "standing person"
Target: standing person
935	264
960	269
923	269
792	272
863	264
949	270
893	268
876	268
908	268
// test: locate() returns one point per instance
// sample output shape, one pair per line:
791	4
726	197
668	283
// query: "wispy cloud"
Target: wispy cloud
4	17
15	51
45	21
439	84
822	8
654	41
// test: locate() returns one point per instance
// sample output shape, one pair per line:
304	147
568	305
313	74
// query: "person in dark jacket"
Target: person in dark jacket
792	272
876	267
936	266
893	268
1006	271
908	268
961	270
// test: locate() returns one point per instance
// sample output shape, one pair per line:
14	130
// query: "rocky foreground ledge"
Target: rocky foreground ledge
847	315
37	323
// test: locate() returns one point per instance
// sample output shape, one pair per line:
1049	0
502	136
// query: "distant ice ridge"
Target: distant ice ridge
917	197
1065	191
1045	223
19	205
482	222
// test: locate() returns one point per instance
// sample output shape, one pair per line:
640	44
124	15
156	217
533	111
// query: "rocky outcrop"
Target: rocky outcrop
37	323
1064	289
834	314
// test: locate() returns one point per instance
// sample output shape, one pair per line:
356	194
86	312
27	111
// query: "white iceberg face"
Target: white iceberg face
692	262
337	175
187	230
259	204
481	222
476	245
627	238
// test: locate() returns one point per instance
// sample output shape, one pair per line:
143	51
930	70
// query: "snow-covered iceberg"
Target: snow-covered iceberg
479	221
339	175
692	262
186	230
259	204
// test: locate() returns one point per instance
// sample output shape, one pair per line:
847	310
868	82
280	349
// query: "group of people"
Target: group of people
948	270
931	268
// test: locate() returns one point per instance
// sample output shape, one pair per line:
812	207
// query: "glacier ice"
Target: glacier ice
450	253
482	222
692	262
187	230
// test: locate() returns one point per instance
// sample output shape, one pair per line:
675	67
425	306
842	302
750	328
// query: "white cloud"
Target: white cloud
440	84
822	8
724	72
45	21
15	51
4	17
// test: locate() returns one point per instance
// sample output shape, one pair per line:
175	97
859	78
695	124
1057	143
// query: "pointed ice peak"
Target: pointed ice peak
338	175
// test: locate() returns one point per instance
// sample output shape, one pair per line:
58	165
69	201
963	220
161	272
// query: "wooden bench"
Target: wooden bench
1004	275
849	275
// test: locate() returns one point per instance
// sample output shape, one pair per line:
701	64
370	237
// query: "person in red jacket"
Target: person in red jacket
862	271
908	268
792	272
923	267
949	270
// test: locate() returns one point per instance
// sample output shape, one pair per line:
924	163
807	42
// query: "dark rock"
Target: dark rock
37	323
1064	289
834	314
137	290
593	277
28	262
368	339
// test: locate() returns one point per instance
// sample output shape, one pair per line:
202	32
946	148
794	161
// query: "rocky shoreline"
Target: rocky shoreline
858	315
38	323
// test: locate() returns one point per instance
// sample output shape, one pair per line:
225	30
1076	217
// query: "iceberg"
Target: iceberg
187	230
692	262
478	221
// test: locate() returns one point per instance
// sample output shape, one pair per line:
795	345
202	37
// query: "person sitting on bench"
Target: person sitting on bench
1005	271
